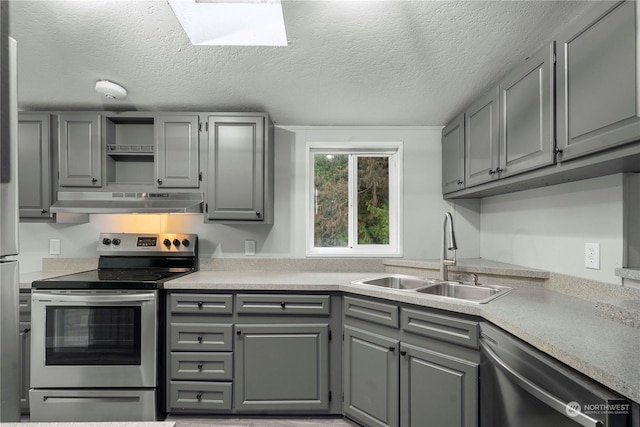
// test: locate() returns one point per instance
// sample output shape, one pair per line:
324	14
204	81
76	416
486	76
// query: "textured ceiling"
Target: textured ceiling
347	63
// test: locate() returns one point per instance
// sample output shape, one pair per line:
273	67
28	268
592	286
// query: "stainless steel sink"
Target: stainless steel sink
479	294
395	281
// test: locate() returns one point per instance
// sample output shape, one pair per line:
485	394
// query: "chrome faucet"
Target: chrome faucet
444	261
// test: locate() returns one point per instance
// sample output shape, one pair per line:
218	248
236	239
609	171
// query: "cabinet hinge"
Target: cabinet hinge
343	396
206	207
329	334
199	176
329	396
199	126
342	335
554	58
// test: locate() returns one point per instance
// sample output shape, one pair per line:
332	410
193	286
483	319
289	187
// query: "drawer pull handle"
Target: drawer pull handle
238	332
392	348
200	366
491	172
199	397
499	170
403	353
200	304
199	338
283	304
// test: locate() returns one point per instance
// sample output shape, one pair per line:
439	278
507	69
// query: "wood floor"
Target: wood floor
259	422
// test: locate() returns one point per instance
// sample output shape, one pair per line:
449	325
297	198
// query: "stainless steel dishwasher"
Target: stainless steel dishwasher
521	386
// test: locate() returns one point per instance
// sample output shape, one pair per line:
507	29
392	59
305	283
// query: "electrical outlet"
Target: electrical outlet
249	247
592	255
54	246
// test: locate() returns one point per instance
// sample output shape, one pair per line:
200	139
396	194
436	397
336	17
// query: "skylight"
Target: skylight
231	22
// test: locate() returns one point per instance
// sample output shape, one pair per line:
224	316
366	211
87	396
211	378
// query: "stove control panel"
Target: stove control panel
165	244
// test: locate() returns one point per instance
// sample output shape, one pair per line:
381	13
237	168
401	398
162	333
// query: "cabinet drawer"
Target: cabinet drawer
450	329
371	311
201	337
317	305
201	303
200	396
202	366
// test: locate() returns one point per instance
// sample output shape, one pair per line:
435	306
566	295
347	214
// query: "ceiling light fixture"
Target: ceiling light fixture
110	90
231	22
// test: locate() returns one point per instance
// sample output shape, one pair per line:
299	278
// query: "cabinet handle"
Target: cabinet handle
200	366
199	397
43	211
199	338
238	332
200	304
392	348
460	182
25	331
558	151
491	172
283	304
403	352
159	181
499	170
94	180
258	214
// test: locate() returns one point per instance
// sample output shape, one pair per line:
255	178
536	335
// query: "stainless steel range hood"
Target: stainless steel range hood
127	202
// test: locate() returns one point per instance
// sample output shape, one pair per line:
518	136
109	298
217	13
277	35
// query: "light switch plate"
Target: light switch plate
592	255
249	247
54	246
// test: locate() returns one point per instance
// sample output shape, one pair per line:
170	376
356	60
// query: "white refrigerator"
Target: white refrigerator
9	278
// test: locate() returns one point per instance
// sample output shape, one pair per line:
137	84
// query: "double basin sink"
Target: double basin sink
454	290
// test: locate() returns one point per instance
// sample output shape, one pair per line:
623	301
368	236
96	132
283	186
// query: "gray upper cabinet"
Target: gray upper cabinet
527	115
481	140
598	89
240	168
177	151
34	159
79	150
453	156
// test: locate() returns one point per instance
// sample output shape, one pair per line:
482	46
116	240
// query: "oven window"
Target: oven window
104	335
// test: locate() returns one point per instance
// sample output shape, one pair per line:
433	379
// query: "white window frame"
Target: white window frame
391	149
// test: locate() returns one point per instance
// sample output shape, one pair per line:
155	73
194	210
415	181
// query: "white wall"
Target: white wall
547	228
423	206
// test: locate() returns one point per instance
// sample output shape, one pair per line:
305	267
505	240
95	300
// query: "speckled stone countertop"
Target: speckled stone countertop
565	327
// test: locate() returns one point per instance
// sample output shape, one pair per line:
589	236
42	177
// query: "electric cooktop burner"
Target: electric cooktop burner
133	261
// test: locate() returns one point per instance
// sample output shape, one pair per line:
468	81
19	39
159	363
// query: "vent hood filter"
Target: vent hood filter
127	202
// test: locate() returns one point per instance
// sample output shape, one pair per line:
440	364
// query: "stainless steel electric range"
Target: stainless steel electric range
96	334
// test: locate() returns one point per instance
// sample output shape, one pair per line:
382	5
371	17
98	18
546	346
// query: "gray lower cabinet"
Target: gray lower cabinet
597	87
371	381
416	369
240	168
282	367
25	350
79	150
34	159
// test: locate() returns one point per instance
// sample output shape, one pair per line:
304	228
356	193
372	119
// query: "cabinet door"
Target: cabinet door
527	115
236	168
177	151
598	87
370	376
481	140
34	160
25	368
437	390
453	156
79	150
282	367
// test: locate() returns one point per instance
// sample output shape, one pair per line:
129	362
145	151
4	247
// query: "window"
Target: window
354	199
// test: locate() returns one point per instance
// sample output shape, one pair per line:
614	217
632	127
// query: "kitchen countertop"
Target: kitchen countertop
568	328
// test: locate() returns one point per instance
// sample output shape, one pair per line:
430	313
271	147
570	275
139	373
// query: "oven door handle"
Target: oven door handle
86	299
537	391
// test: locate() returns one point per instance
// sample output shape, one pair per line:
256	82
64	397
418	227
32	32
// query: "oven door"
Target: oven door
93	339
